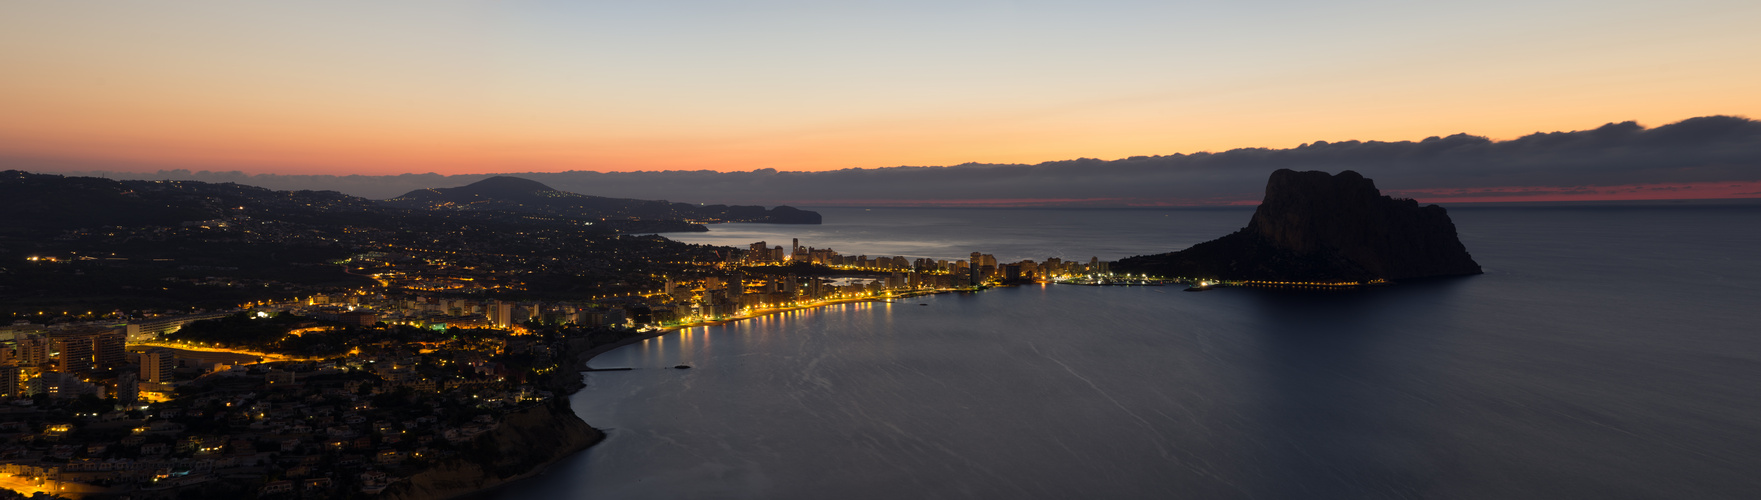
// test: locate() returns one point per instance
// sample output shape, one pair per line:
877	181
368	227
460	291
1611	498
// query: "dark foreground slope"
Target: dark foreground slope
515	194
1317	227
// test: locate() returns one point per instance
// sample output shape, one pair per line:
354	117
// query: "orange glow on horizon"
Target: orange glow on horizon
500	87
318	148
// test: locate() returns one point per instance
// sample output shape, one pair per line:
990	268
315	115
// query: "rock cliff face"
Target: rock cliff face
1313	226
519	447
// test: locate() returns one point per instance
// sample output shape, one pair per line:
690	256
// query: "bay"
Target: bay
1011	234
1608	352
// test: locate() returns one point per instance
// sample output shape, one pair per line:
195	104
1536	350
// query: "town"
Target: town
357	391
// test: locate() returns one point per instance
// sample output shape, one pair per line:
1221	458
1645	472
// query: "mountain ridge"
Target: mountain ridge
517	194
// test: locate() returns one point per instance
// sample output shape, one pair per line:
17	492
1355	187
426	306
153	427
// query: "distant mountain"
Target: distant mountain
1313	226
514	194
96	244
38	203
54	202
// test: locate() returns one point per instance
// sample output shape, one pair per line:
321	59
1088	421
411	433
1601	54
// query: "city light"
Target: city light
442	317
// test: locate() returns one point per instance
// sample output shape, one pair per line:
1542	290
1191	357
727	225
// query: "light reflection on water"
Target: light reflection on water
1010	234
1606	354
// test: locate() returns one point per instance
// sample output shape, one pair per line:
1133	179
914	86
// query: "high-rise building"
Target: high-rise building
127	389
589	317
501	314
33	351
758	252
82	350
157	366
74	353
109	349
9	383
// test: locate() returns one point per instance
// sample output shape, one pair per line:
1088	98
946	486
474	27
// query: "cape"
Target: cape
1317	227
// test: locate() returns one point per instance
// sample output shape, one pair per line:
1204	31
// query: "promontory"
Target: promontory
1321	228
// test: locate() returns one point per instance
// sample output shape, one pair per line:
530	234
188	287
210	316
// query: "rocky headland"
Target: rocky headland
1320	228
514	194
522	445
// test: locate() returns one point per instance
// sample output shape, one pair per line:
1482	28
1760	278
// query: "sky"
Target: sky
391	87
1711	157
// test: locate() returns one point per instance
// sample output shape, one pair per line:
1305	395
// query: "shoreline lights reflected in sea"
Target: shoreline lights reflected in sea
1608	352
1010	234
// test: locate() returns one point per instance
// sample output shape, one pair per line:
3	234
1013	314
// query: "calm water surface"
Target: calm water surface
1607	353
1010	234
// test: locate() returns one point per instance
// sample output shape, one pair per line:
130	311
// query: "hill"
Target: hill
514	194
94	244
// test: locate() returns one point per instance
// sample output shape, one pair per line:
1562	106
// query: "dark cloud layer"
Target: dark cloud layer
1705	149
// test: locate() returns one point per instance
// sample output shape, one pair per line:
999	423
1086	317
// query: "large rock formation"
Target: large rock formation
1317	227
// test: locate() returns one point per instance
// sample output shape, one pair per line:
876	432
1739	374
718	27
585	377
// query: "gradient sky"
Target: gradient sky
385	87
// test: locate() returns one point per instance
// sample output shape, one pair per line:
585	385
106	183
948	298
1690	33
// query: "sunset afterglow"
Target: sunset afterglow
473	87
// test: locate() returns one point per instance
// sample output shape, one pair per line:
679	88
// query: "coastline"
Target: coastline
579	364
463	479
588	355
591	353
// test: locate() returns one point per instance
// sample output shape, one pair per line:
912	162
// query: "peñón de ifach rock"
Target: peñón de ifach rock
1317	227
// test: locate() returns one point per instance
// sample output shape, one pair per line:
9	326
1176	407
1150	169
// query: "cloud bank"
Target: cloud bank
1706	157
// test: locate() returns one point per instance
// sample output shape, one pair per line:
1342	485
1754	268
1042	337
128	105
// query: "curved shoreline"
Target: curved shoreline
581	359
588	355
579	363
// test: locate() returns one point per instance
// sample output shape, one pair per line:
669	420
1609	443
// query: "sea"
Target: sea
1610	351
